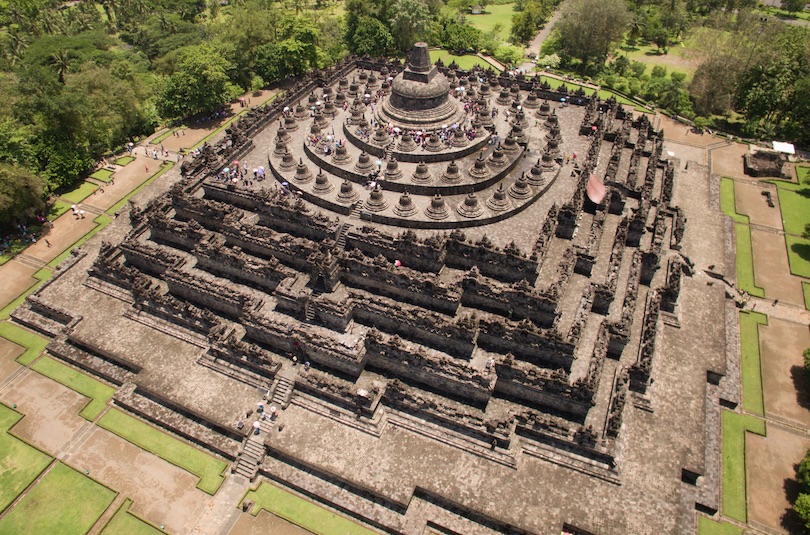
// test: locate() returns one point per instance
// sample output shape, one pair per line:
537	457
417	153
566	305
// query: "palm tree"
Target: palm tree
61	60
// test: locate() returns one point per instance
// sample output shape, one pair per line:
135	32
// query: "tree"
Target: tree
460	37
410	22
526	22
508	54
372	38
806	353
588	29
21	194
802	508
201	83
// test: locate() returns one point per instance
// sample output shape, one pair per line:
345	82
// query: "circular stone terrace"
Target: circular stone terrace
422	149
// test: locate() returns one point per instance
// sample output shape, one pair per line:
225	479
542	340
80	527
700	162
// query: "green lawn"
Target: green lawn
208	468
79	194
120	204
42	275
102	221
129	524
795	207
163	136
64	501
464	62
707	526
734	470
304	513
105	175
673	60
803	173
798	250
98	392
33	343
728	201
124	160
494	14
753	399
745	261
20	463
58	208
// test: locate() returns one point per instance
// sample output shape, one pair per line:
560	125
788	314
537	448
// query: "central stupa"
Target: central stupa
420	96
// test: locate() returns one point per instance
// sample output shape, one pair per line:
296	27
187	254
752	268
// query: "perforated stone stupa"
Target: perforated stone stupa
456	338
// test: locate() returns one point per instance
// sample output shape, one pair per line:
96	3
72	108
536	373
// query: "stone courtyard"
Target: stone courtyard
451	326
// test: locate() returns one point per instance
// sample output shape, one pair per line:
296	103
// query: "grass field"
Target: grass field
734	470
208	468
753	399
58	208
464	62
63	501
124	160
707	526
728	201
803	173
98	392
33	343
158	140
798	250
302	512
494	14
20	463
745	261
105	175
675	60
129	524
795	206
79	194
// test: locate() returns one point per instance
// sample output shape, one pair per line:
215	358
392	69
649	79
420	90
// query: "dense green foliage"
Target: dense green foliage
802	503
752	73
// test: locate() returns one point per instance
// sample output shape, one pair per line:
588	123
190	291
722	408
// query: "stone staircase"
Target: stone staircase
341	239
250	457
358	208
309	311
282	392
31	261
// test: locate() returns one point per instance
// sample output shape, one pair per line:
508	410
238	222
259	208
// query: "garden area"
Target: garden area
64	501
301	512
208	468
20	463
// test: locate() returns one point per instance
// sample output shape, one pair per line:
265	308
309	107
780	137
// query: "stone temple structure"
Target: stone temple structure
458	339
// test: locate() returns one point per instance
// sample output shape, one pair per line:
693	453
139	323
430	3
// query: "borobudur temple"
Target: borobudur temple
469	298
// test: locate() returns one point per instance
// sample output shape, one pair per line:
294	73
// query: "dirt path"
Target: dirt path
541	36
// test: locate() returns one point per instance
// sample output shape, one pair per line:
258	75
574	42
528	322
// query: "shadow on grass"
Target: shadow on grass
801	249
801	382
804	192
